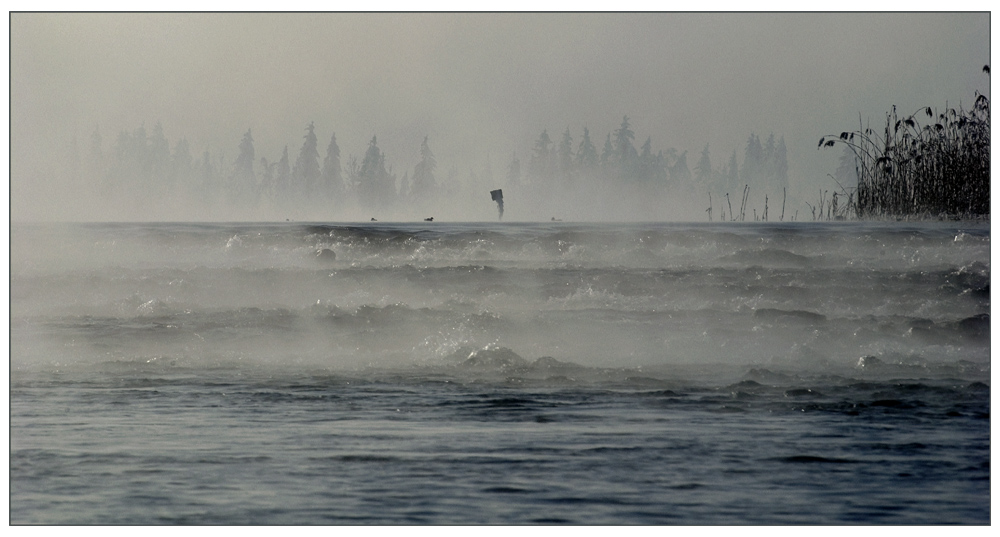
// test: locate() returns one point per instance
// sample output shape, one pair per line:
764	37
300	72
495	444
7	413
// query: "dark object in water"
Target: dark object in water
497	196
325	254
431	219
373	219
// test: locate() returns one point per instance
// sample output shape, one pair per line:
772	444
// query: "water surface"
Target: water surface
500	373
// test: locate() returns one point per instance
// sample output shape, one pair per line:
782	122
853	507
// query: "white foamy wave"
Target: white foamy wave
592	294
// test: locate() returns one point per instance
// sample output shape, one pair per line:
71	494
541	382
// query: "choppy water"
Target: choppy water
500	373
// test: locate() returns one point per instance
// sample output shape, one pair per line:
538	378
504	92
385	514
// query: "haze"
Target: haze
480	87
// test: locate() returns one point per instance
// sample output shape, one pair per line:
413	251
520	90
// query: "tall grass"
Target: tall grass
927	164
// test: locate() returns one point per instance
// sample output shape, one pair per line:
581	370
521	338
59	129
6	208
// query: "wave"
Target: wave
768	257
592	294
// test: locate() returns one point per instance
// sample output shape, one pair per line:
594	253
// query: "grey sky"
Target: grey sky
477	84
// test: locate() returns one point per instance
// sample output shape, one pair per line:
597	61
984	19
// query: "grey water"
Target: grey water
500	373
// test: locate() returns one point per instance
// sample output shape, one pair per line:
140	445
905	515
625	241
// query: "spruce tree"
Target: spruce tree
608	155
646	169
626	156
586	154
243	183
623	141
540	165
376	188
283	178
753	162
266	188
332	182
566	156
306	173
423	184
679	172
703	171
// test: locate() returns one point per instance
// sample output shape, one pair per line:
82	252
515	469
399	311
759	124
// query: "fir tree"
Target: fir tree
423	184
586	154
306	173
352	174
646	171
566	156
332	181
703	170
266	187
243	184
608	154
540	165
376	188
283	178
753	162
626	157
623	141
679	172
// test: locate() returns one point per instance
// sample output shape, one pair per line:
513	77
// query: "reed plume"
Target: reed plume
922	165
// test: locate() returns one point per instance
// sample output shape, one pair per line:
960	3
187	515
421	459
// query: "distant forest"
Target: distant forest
557	175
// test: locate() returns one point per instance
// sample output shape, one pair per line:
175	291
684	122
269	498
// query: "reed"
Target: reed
783	195
927	164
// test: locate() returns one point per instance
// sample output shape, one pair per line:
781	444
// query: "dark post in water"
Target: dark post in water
497	196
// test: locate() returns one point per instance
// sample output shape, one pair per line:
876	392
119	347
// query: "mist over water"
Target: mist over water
143	116
259	274
500	373
621	295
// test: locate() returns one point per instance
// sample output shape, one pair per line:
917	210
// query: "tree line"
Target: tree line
143	164
553	169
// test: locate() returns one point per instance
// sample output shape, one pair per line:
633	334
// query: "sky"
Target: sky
481	87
